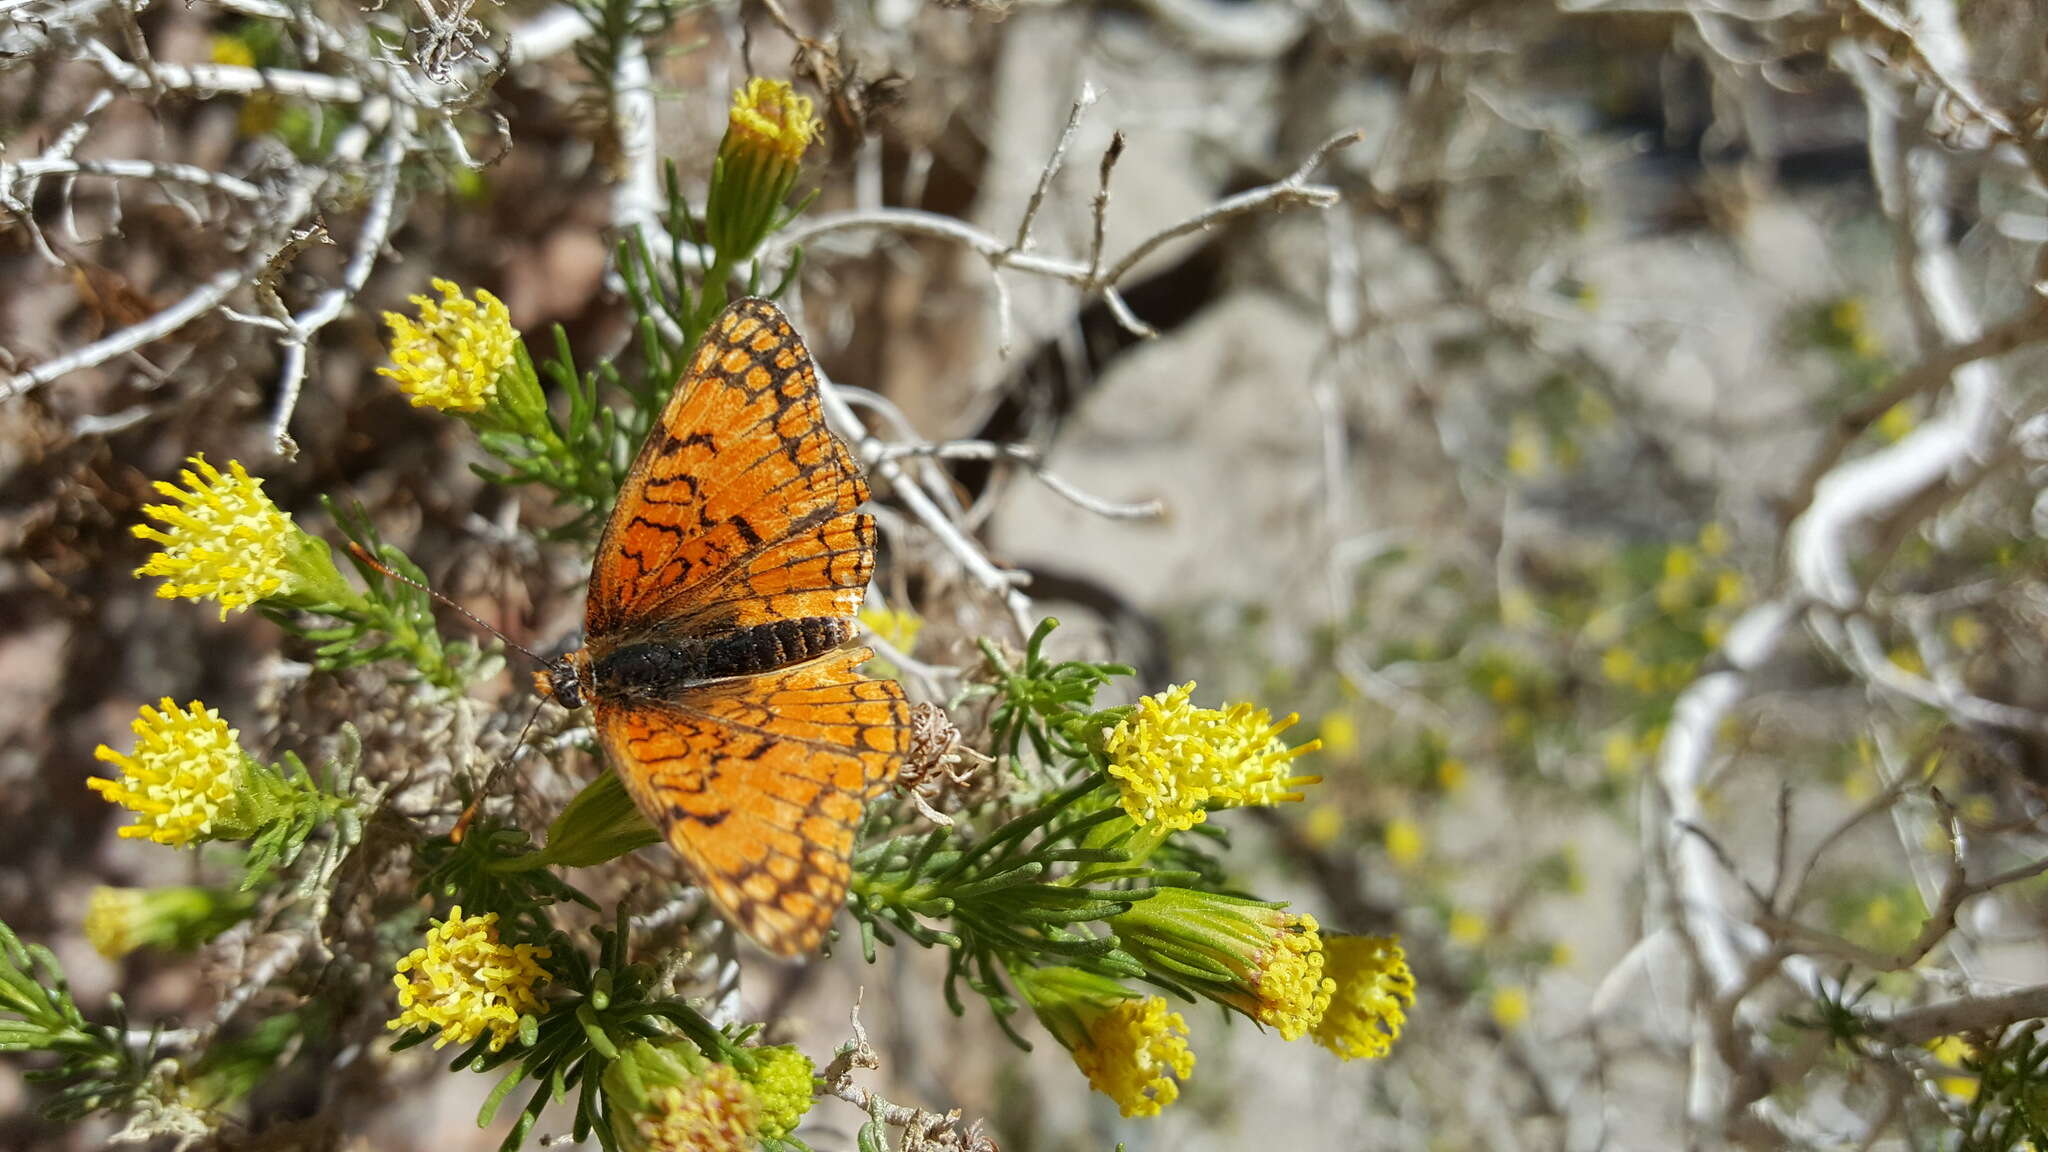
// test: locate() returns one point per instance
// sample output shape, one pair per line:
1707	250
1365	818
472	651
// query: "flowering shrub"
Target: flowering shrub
1074	874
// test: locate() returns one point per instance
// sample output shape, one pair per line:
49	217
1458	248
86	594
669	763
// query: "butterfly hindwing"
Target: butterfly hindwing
758	784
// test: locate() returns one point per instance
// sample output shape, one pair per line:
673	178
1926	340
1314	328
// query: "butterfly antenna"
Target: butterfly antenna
483	792
363	557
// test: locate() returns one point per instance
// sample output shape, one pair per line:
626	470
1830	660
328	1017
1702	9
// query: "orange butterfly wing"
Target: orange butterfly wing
759	785
740	506
740	510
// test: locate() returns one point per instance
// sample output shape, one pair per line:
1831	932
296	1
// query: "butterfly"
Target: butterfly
716	649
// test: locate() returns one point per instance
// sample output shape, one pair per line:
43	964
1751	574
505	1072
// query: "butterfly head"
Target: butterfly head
566	680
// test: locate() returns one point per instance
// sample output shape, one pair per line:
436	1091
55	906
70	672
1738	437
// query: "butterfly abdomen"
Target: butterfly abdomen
660	668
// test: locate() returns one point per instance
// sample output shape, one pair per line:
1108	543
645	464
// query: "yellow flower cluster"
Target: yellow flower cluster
465	982
781	1081
1510	1006
184	770
1173	761
223	539
768	115
1291	993
1374	991
113	921
714	1112
120	920
1405	843
898	628
1953	1051
1133	1054
452	357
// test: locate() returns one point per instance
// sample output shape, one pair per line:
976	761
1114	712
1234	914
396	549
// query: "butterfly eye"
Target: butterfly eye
558	680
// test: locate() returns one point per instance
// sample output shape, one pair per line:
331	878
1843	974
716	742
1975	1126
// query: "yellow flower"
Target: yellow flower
182	774
1517	608
1502	689
120	920
768	115
1619	665
668	1097
896	628
113	921
452	357
1292	991
1618	753
1952	1051
1173	761
233	51
1966	632
1374	991
1896	422
465	982
1714	538
1450	775
766	134
1467	928
1510	1006
1728	587
1254	957
1681	562
223	539
1405	842
712	1113
1133	1053
1129	1046
1324	824
781	1081
1339	733
1526	455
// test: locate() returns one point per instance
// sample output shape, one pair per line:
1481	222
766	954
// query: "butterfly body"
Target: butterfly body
721	604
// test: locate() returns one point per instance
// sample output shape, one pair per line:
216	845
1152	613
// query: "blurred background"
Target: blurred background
1613	426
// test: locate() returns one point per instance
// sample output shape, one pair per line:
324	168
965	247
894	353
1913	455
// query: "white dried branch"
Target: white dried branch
223	79
1032	459
201	300
973	561
150	170
301	328
1089	275
1736	953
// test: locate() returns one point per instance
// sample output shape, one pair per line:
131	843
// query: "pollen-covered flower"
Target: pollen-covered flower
223	539
1288	989
1374	992
669	1098
1129	1046
781	1081
768	116
1510	1006
898	628
713	1113
1173	761
120	920
465	982
1136	1054
1254	957
766	133
452	357
182	777
1955	1053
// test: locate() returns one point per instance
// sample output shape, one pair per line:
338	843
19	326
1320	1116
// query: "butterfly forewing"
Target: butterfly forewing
739	477
739	513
